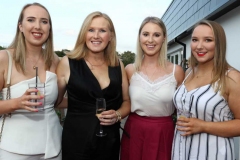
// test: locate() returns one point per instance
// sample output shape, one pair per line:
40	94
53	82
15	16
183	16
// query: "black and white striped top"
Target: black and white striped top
203	103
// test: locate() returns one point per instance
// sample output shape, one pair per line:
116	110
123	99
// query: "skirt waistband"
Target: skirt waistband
151	119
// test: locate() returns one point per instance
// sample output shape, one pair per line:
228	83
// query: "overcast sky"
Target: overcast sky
68	15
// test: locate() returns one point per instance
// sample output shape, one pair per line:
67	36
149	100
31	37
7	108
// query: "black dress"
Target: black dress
79	140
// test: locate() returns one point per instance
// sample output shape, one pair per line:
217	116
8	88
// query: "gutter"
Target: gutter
184	65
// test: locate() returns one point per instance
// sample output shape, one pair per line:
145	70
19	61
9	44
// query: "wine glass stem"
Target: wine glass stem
101	129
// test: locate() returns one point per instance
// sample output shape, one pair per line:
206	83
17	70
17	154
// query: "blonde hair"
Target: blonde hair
163	50
80	50
220	64
19	46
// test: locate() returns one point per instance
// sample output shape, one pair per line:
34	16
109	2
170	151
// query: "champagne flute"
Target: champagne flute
100	107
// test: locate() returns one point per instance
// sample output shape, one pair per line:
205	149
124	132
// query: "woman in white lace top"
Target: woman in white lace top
153	81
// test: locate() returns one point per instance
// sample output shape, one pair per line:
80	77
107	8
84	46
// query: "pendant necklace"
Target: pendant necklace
149	77
202	75
34	66
94	65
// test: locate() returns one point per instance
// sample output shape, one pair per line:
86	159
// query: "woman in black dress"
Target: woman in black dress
92	70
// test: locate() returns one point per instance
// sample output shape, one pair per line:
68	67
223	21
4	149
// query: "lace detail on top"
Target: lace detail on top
141	80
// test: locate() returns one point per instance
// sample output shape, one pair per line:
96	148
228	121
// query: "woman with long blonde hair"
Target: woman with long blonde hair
30	132
153	81
91	71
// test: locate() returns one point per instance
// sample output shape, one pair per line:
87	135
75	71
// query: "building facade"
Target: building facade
182	15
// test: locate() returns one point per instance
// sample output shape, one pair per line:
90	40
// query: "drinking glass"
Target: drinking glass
183	113
41	88
100	107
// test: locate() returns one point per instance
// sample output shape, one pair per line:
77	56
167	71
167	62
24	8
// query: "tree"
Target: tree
62	53
2	48
127	57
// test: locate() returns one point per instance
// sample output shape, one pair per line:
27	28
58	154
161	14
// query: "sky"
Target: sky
68	15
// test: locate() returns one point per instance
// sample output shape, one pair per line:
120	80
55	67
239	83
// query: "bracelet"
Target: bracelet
119	116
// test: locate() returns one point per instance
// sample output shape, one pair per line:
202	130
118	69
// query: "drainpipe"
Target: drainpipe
184	53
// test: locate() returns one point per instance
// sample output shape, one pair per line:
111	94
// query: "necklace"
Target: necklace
203	75
34	66
150	77
197	76
94	65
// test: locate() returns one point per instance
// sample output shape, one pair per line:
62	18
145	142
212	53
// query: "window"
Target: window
175	57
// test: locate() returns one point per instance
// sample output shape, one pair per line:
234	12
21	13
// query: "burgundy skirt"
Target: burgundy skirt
150	138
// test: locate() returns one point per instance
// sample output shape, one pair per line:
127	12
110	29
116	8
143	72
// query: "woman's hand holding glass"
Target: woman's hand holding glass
189	126
108	117
25	101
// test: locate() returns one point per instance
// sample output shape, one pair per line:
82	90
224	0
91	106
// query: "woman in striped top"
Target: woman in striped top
211	93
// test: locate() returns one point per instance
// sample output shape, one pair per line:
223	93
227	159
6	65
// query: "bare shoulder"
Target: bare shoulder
63	70
64	61
178	68
233	83
234	77
3	67
4	55
3	59
233	91
63	65
130	69
178	73
56	59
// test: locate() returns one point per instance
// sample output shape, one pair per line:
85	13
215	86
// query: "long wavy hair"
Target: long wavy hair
19	45
81	50
163	51
220	64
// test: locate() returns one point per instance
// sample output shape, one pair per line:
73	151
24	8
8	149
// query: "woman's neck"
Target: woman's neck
33	51
205	67
95	57
203	70
150	61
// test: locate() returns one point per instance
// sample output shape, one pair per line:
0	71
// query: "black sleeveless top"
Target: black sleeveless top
79	140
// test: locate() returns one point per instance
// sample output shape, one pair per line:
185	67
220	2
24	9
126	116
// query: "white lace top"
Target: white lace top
152	98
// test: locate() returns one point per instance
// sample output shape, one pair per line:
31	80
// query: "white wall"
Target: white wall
231	25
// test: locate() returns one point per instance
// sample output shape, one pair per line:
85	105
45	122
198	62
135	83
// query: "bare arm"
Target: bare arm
63	73
129	71
125	107
179	75
63	104
229	128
